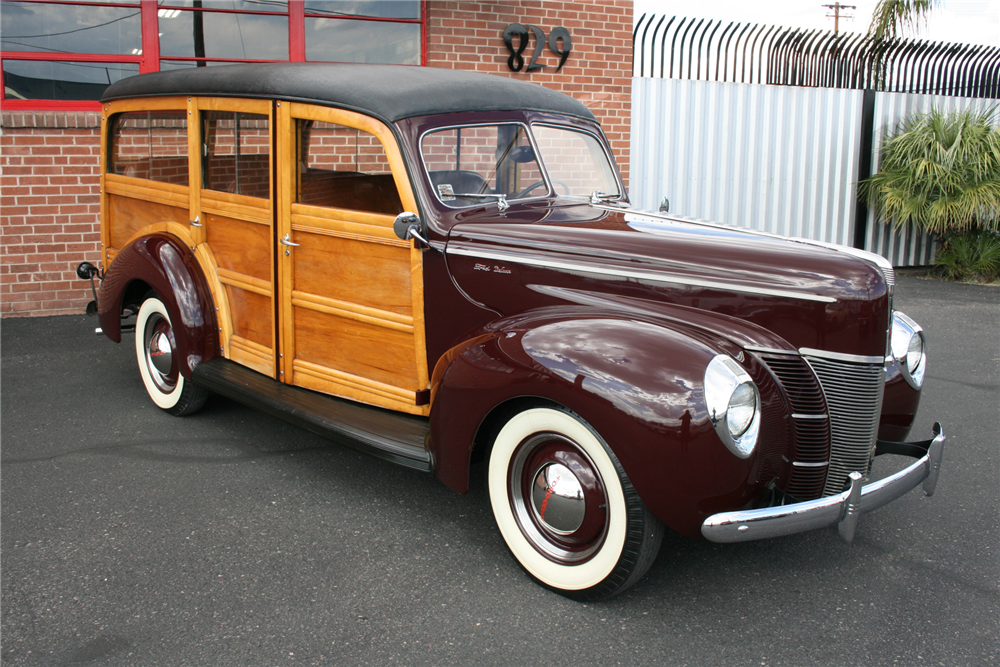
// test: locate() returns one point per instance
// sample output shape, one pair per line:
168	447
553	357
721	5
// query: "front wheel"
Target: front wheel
566	508
155	350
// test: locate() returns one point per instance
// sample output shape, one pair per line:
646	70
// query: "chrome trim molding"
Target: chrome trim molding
843	509
840	356
769	350
878	261
638	275
800	464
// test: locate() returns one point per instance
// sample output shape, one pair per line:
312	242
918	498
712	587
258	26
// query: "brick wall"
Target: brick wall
49	203
598	72
49	206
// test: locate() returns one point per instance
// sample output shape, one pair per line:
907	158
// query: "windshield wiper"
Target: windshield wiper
502	204
598	197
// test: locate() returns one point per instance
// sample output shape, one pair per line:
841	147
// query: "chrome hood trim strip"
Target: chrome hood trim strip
840	356
637	275
878	261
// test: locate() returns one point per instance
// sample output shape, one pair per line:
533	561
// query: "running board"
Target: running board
393	436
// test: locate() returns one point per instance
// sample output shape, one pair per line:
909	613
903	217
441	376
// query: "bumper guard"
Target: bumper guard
843	509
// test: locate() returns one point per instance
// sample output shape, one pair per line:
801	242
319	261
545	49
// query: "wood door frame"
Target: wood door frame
350	224
240	207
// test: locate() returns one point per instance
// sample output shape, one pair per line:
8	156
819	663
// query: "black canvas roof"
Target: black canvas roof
389	92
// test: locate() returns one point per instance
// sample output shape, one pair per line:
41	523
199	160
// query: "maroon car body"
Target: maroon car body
587	342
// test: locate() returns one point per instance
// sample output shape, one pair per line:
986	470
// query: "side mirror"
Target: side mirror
665	205
407	226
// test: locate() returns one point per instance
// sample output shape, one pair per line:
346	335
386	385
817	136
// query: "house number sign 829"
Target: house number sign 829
516	62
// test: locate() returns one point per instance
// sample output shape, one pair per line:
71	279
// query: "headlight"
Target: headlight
733	405
908	349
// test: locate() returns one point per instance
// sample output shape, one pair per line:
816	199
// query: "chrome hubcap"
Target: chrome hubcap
558	499
160	354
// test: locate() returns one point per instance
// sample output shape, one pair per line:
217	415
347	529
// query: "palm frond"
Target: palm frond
939	172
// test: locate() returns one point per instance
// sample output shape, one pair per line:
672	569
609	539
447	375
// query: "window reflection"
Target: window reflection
58	80
28	26
151	145
349	41
387	9
237	156
239	5
239	36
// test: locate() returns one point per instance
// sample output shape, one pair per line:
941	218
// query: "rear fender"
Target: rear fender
171	270
638	384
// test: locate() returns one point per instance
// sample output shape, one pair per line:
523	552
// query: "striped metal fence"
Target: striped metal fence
784	159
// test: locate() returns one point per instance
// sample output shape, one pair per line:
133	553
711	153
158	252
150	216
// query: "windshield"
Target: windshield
471	165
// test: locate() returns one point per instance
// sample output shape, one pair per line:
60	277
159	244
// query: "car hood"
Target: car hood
803	295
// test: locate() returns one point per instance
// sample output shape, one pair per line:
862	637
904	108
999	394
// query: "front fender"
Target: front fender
638	383
169	268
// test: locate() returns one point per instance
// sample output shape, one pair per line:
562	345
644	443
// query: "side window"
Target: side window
151	145
341	167
237	150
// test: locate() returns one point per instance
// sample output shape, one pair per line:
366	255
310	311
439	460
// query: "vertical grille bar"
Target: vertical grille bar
809	422
854	398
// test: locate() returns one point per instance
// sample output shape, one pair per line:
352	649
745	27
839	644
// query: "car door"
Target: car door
351	298
233	211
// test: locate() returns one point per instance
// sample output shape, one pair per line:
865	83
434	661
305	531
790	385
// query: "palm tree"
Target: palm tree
941	173
891	16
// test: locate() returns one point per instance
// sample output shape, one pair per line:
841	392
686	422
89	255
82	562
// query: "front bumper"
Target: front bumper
843	509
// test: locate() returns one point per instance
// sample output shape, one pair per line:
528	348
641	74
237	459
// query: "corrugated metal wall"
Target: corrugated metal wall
907	247
781	159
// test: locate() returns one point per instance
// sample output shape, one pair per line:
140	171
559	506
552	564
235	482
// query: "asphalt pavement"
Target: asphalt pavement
130	537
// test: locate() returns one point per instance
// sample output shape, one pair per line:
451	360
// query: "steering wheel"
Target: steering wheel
538	184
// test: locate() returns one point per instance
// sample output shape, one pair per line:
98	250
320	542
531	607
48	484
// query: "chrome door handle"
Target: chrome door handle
288	241
196	222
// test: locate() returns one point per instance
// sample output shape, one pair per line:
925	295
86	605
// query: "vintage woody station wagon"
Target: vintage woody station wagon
441	267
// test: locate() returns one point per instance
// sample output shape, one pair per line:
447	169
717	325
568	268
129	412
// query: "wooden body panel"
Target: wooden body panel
238	233
349	300
128	215
348	319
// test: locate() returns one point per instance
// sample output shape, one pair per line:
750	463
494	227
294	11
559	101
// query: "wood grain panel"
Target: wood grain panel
353	311
368	274
252	355
127	216
146	104
163	193
356	348
238	206
252	316
240	246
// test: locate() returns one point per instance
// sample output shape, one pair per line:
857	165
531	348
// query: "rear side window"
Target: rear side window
237	153
152	145
342	167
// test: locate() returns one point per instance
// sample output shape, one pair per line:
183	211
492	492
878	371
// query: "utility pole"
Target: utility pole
836	7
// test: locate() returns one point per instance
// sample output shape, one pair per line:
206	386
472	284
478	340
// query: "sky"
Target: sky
962	21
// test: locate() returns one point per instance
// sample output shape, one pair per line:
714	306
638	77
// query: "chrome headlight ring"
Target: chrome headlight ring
733	403
909	349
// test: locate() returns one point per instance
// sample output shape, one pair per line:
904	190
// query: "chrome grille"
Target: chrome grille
809	422
854	398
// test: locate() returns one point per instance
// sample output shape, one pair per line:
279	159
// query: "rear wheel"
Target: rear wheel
155	350
566	508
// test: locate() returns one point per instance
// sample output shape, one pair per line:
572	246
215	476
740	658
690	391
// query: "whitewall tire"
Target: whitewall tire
566	508
155	351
